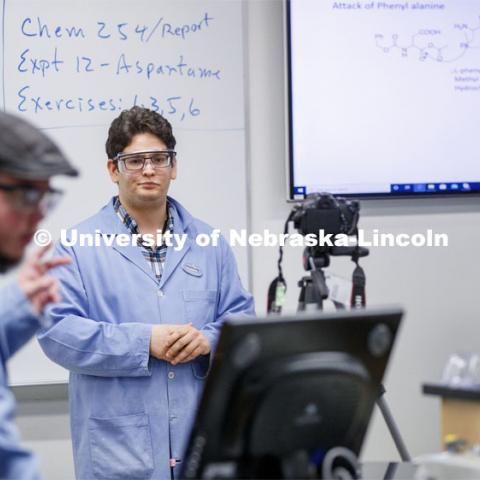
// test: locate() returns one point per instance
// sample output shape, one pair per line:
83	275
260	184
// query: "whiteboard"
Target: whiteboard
71	67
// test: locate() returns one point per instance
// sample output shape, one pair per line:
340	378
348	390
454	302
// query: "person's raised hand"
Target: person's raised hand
39	287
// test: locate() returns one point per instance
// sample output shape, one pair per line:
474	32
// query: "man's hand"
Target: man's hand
39	287
188	346
163	336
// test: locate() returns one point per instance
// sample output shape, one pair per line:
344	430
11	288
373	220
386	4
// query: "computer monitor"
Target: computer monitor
283	391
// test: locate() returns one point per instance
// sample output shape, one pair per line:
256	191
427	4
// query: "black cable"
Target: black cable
278	287
280	248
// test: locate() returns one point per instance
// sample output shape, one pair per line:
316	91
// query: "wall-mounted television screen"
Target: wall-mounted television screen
384	97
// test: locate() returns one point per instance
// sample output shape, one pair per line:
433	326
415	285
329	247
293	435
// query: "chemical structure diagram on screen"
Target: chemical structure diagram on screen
433	44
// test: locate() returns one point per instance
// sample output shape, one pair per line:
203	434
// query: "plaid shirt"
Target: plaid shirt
155	256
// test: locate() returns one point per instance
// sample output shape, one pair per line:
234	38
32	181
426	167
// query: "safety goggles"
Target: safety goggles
135	162
27	199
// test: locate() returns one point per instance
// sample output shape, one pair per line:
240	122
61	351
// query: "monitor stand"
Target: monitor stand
313	291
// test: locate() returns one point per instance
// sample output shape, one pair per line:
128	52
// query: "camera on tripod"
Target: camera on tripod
323	211
317	215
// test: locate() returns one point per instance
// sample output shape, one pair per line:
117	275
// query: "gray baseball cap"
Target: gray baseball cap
27	153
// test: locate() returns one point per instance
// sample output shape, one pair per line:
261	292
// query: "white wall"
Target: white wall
437	287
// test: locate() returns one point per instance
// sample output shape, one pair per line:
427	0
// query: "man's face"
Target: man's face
147	187
18	222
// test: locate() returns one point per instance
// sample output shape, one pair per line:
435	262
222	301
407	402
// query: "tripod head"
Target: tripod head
319	256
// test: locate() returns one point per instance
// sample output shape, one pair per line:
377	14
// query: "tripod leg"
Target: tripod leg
301	296
392	427
309	298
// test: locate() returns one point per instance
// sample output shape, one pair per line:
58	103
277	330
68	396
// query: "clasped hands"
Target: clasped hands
178	343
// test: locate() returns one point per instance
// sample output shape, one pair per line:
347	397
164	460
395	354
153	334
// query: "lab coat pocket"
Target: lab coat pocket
199	306
121	447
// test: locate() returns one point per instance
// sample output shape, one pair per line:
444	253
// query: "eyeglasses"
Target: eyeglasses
135	162
27	199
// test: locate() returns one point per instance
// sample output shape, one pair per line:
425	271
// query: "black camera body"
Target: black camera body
323	211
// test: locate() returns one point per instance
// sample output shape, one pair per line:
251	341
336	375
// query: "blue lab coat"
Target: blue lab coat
18	323
130	413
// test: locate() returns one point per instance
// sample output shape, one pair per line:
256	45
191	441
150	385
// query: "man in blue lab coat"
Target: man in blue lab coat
28	159
141	315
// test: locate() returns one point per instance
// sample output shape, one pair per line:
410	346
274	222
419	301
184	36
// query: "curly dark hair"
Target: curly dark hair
134	121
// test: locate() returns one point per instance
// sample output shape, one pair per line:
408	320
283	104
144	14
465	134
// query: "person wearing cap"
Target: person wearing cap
28	159
139	321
